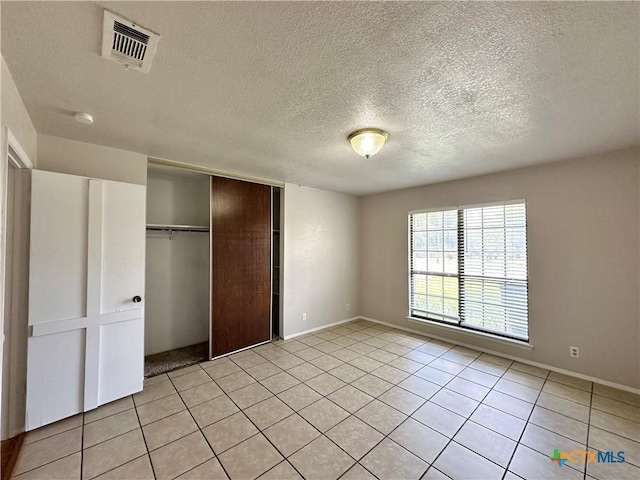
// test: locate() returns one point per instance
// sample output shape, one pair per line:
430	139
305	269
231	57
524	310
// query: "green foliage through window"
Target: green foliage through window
468	267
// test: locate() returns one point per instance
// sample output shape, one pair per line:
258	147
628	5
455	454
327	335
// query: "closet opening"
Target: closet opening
213	273
177	269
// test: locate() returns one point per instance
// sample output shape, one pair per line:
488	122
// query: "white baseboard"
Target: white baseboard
329	325
589	378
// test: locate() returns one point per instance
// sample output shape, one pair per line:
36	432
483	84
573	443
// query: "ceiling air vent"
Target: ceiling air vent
127	43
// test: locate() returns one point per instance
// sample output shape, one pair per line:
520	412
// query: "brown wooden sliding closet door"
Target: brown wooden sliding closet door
241	264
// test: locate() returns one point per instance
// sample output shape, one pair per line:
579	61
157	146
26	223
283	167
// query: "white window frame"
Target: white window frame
457	323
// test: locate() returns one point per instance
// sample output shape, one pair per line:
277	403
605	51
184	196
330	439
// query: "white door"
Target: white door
86	328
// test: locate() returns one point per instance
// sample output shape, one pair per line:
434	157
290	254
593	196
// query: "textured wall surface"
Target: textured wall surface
584	261
14	115
320	257
90	160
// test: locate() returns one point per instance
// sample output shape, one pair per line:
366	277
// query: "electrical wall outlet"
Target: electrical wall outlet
348	307
304	317
574	352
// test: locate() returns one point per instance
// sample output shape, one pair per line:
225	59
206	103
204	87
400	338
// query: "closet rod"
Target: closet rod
178	228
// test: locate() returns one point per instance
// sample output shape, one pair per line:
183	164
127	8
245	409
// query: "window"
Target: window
468	267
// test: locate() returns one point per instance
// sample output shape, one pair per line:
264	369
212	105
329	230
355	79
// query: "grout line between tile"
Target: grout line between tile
518	443
250	420
381	335
82	447
48	463
123	464
145	439
201	433
260	432
588	431
110	415
604	411
322	434
463	424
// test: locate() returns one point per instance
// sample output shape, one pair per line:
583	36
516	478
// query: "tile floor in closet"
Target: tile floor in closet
356	401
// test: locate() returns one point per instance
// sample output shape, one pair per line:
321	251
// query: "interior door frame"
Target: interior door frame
281	275
271	267
13	156
210	340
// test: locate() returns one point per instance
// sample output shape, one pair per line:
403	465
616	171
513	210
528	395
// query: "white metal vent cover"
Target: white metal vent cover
125	42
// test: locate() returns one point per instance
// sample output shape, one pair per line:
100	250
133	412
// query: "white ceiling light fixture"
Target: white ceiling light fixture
368	141
84	118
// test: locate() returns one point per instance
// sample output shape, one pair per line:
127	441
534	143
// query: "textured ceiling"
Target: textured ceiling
273	89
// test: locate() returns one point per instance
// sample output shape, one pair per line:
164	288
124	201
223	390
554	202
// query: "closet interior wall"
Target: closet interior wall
177	262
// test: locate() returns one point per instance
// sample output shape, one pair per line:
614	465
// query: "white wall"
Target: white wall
62	155
177	280
320	264
14	116
177	198
584	259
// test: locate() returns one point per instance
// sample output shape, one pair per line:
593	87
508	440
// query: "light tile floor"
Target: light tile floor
357	401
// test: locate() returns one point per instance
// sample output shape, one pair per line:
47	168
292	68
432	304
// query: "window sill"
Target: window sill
475	333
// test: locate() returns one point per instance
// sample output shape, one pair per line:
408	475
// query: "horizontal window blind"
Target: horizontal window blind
468	267
493	269
434	265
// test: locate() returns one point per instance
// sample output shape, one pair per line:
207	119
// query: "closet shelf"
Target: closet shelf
177	228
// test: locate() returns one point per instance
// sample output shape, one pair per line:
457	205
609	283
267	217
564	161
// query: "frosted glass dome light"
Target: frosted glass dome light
368	141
